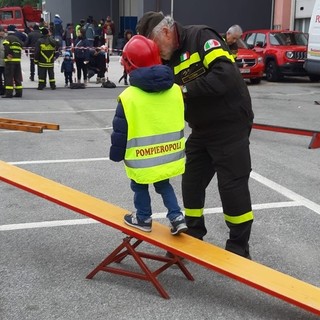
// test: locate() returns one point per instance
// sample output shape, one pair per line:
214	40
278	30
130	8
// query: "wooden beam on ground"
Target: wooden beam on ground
315	134
253	274
29	126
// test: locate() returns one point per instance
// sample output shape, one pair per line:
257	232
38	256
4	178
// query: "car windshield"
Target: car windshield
241	44
288	39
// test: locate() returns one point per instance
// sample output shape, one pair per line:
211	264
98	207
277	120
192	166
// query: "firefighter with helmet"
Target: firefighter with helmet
148	133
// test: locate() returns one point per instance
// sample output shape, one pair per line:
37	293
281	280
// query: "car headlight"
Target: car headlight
260	60
289	54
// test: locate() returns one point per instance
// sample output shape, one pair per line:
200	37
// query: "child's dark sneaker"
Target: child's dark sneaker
178	225
133	221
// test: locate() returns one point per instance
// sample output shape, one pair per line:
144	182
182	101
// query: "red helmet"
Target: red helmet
140	52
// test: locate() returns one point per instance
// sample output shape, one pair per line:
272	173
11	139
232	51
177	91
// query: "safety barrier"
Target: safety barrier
315	141
253	274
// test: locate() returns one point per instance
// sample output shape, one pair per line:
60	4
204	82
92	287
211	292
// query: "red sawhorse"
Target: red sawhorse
128	248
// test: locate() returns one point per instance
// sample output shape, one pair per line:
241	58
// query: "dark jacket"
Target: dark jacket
46	51
218	102
33	37
12	46
150	79
67	65
82	49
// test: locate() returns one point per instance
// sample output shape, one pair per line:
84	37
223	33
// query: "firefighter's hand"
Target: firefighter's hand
9	56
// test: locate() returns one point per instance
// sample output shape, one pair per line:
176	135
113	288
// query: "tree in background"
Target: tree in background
33	3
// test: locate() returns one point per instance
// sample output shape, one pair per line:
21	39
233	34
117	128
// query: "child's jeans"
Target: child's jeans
142	200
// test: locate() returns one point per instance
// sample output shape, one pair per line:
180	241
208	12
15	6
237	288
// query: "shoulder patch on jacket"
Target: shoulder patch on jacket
212	43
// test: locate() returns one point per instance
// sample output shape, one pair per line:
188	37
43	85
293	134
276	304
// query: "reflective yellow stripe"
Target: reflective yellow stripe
15	48
18	87
214	54
12	60
9	87
197	213
248	216
194	58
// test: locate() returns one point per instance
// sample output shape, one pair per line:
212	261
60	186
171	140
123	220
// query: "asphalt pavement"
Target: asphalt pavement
47	251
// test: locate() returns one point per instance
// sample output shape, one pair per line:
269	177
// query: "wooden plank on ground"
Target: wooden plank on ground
24	125
251	273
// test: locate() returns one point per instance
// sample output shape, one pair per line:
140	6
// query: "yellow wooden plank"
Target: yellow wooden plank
261	277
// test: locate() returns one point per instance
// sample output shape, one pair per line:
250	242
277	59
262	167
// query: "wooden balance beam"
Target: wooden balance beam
253	274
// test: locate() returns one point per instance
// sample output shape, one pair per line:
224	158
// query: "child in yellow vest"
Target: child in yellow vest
148	133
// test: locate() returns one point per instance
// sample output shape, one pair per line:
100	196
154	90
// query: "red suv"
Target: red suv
283	51
250	63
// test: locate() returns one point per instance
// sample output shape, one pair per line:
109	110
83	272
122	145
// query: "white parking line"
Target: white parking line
286	192
160	215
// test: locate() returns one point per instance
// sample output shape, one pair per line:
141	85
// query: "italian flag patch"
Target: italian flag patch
212	43
184	56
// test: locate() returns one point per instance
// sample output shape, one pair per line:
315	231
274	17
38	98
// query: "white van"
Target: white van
312	64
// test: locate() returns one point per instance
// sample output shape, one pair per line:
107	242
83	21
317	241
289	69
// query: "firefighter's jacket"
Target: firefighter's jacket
45	51
12	47
218	103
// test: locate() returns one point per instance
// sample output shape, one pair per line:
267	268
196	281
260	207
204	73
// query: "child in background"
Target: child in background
67	68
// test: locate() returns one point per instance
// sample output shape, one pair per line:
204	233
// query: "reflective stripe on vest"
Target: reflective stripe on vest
155	141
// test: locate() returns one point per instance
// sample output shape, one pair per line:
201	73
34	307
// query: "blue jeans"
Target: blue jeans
142	200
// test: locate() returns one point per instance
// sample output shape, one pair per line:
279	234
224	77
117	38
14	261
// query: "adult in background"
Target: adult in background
233	34
2	37
219	112
30	44
12	69
68	35
89	29
46	51
109	32
82	56
58	29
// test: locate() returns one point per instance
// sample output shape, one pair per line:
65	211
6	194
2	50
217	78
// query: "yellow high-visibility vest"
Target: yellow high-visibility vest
155	144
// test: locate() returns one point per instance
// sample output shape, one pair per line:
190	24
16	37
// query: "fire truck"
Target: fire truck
21	17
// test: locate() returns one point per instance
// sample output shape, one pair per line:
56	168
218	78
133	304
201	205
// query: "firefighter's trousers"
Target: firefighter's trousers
232	164
42	74
13	78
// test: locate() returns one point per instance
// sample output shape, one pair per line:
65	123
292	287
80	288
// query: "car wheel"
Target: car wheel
272	72
255	81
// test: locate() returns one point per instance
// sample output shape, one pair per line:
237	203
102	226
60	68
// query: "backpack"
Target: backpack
76	85
108	84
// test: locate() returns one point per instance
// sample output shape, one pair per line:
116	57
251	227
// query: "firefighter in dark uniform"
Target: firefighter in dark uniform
45	53
12	58
219	112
